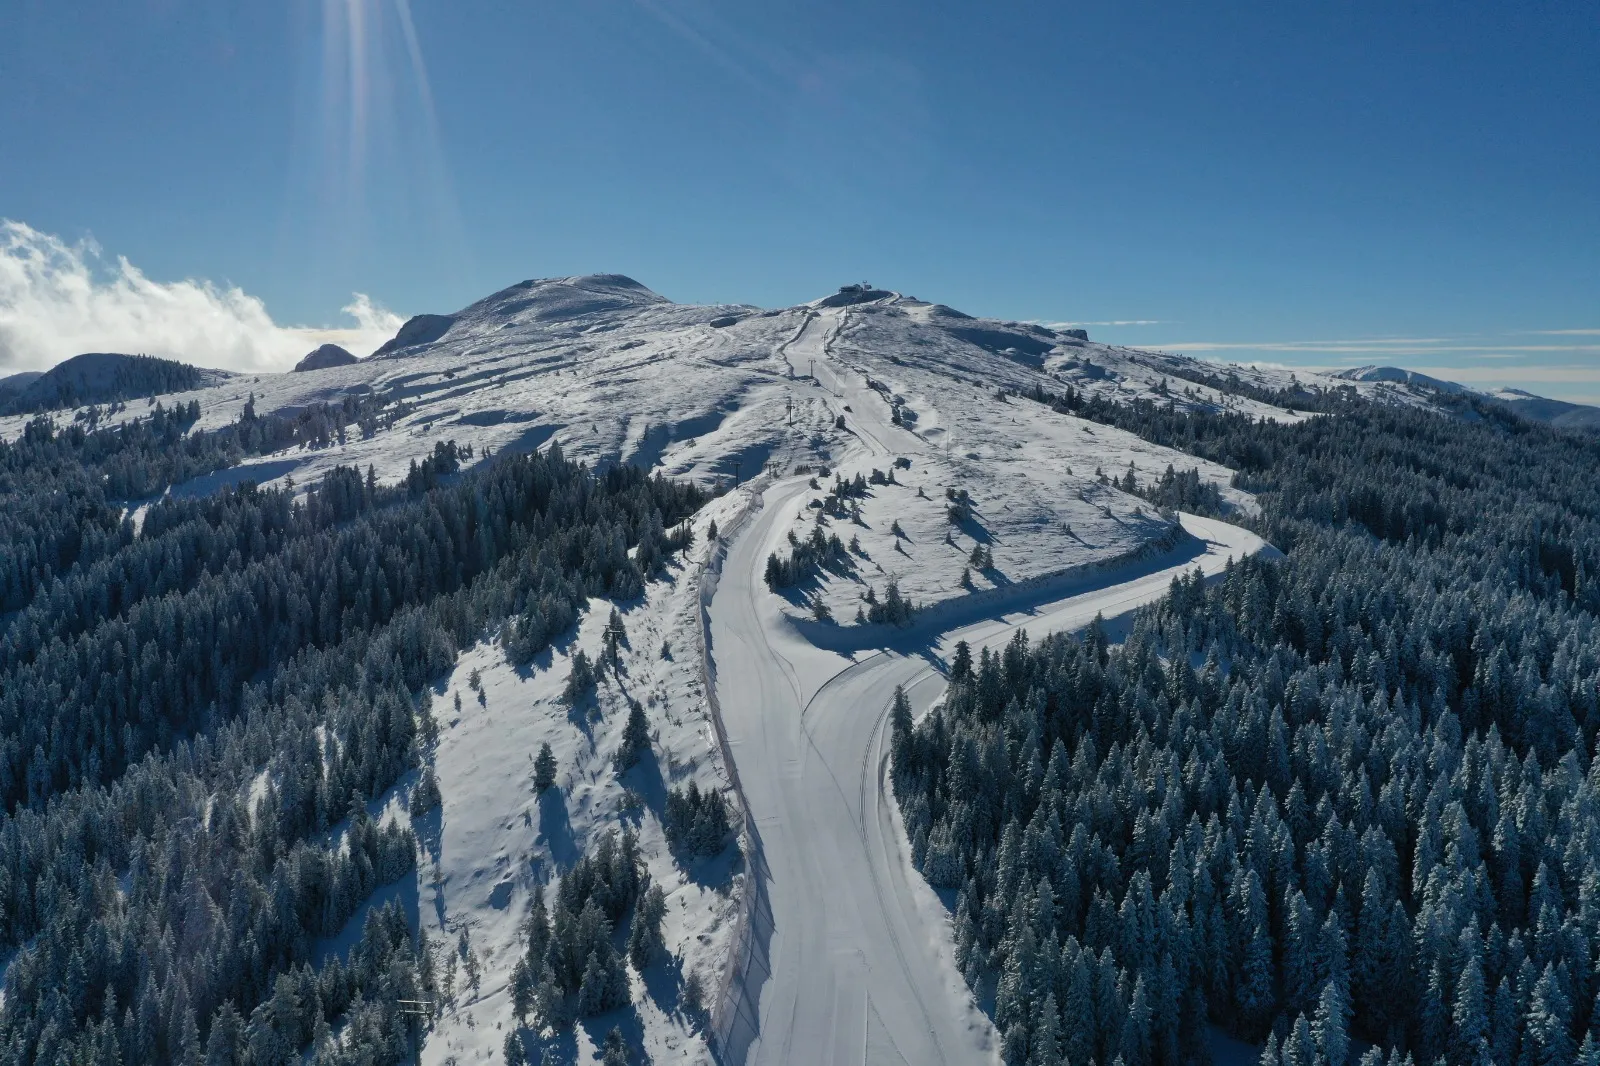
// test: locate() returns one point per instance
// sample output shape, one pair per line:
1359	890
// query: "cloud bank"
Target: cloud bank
58	300
1562	363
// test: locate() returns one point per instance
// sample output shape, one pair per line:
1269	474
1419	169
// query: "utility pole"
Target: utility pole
417	1008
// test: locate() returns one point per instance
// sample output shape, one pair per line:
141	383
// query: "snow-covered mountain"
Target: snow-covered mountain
971	493
1557	413
617	373
102	377
1398	375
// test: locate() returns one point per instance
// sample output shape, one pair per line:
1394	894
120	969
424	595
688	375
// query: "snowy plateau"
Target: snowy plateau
984	507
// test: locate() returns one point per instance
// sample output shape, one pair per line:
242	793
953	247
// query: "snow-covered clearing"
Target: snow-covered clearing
495	838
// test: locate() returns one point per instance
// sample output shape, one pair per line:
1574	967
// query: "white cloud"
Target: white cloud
58	300
1408	346
1109	322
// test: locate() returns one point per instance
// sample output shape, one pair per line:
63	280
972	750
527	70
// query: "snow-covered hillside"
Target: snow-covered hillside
615	373
967	486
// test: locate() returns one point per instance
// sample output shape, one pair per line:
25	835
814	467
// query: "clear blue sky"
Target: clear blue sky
1257	180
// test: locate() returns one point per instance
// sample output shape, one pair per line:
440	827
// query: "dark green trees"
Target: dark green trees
544	769
1320	802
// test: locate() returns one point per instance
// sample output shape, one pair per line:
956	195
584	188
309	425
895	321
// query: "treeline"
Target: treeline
1524	498
1297	397
68	490
193	728
1345	797
1173	491
103	378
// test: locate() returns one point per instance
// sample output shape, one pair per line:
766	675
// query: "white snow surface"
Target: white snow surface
495	838
856	962
858	945
615	373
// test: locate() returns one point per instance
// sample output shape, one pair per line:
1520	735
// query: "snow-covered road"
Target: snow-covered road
860	953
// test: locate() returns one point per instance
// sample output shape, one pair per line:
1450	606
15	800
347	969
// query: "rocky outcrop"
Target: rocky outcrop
324	357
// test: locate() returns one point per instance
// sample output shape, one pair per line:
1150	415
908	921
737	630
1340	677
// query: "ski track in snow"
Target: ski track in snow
854	958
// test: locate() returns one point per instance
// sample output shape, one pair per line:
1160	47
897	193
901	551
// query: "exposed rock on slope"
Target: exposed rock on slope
324	357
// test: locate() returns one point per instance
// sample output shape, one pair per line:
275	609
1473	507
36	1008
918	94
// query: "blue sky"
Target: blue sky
1313	184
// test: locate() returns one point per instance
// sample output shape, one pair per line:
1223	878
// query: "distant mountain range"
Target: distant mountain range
1555	412
1534	408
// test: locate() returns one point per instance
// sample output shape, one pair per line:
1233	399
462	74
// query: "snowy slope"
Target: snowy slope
615	373
857	958
1559	413
495	838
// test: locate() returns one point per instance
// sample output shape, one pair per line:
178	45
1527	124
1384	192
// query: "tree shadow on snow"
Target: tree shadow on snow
430	832
624	1018
1040	596
555	828
714	872
974	529
644	777
663	982
560	1046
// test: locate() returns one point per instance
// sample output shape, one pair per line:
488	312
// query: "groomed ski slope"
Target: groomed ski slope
859	958
850	958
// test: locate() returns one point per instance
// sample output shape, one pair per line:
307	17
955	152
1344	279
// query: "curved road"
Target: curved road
859	947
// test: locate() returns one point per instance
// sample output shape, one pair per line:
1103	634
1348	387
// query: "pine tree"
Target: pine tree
1549	1022
635	736
580	680
645	945
1469	1015
961	664
1332	1022
616	1048
1135	1044
1046	1040
425	797
522	989
544	768
224	1043
900	728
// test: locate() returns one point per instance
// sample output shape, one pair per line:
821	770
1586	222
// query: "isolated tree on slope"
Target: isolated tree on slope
544	768
580	682
635	736
616	1049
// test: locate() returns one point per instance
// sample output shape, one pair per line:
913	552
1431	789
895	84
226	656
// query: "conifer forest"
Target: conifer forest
1343	805
196	710
1340	803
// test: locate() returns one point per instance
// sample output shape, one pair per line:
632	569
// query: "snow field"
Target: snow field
615	374
494	838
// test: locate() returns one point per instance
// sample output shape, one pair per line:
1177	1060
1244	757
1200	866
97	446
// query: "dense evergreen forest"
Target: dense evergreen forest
195	714
103	378
1344	804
